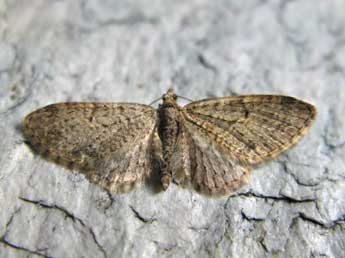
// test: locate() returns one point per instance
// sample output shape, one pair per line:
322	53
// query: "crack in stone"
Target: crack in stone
106	208
282	197
21	248
249	218
70	216
262	243
142	218
261	239
100	247
9	222
47	206
304	217
330	225
5	242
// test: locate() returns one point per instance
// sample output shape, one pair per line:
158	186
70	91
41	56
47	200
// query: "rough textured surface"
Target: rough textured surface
54	51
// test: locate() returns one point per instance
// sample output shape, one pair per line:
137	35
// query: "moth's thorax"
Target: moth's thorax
168	125
168	113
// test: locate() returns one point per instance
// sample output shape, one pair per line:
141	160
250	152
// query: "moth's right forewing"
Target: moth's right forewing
252	129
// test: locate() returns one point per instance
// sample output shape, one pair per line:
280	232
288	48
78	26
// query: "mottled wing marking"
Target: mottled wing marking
252	129
224	137
111	143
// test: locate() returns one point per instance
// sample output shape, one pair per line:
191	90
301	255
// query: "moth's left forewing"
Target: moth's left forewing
110	143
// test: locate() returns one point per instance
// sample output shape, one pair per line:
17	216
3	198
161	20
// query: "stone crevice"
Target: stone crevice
142	218
282	198
21	248
69	215
6	242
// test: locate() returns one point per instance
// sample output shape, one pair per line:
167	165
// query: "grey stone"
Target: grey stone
53	51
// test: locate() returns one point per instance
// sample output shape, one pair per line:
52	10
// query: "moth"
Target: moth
210	145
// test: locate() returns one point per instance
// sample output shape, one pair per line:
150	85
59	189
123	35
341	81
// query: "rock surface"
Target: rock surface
53	51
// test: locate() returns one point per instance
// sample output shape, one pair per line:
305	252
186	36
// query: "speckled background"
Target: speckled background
52	51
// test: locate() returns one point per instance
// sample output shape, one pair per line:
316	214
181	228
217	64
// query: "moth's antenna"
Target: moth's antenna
153	102
181	97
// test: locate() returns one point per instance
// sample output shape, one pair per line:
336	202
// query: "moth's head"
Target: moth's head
170	97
